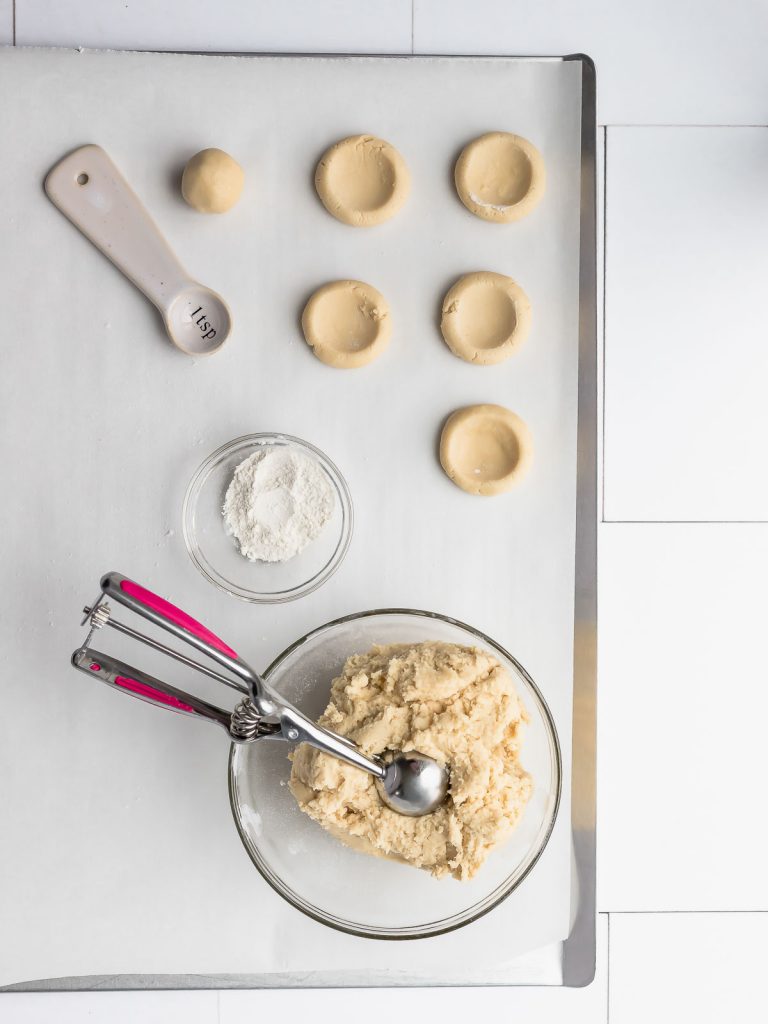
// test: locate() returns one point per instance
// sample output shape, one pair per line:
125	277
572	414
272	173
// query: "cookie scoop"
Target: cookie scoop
407	782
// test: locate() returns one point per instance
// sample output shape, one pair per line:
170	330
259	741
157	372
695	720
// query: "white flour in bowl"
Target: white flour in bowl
278	501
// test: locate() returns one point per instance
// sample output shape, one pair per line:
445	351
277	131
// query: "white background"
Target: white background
683	841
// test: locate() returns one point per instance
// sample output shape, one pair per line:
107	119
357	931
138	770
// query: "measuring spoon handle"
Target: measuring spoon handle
89	189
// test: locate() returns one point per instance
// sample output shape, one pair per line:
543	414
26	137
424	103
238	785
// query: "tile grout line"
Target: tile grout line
684	522
679	124
13	23
413	20
605	269
657	913
608	971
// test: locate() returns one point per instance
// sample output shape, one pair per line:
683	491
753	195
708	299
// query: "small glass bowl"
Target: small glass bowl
217	554
354	892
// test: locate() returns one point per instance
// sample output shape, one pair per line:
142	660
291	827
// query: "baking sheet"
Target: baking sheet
118	851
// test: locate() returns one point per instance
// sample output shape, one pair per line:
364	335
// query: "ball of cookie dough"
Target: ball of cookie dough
212	181
362	180
485	449
347	324
500	177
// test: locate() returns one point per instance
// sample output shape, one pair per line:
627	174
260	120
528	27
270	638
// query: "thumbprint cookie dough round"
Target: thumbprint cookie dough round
500	177
485	449
485	318
455	704
362	180
347	324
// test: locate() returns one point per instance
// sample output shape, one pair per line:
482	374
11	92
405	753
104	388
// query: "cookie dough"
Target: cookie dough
347	324
362	180
485	449
485	317
500	177
455	704
212	181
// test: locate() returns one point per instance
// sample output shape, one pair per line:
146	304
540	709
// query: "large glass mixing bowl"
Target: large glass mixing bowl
351	891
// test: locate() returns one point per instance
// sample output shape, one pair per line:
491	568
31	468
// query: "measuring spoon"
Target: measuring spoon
89	190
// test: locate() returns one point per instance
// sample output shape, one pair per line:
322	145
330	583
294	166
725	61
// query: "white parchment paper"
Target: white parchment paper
117	850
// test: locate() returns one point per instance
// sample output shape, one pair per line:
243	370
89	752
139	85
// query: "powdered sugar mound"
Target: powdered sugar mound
278	501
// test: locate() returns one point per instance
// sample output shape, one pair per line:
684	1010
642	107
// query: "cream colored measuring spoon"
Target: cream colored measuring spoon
89	190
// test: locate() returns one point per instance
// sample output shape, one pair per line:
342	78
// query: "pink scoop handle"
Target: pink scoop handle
119	585
150	693
166	615
148	688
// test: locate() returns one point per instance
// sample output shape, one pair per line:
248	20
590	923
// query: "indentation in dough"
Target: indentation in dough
362	177
362	180
485	449
486	316
500	176
346	323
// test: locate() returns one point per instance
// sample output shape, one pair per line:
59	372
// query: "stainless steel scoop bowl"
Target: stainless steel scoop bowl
413	784
407	781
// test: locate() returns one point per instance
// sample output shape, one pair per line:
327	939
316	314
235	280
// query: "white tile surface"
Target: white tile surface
377	26
6	22
657	62
686	354
706	968
449	1006
682	708
109	1007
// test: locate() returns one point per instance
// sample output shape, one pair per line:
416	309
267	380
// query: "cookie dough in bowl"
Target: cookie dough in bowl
454	703
485	449
500	177
379	897
347	324
485	317
362	180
